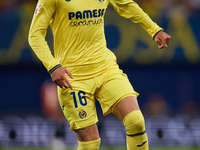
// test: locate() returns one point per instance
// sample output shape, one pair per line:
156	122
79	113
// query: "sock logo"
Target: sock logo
141	144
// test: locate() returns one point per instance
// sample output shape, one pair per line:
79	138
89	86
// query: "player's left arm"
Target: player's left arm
131	10
162	39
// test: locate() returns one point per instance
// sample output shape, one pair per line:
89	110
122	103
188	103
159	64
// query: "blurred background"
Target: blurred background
168	80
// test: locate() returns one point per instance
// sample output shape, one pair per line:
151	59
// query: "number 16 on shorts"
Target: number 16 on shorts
79	97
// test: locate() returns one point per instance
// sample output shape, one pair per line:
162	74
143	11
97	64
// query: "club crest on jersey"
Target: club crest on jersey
101	1
82	114
38	8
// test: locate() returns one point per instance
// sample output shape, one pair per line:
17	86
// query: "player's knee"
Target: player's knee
89	145
134	123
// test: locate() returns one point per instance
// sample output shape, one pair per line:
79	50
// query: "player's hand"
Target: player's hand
162	39
58	76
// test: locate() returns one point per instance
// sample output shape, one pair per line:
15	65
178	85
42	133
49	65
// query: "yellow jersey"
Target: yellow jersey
78	30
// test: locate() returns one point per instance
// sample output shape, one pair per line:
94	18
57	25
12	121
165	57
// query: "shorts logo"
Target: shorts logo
82	114
38	8
101	1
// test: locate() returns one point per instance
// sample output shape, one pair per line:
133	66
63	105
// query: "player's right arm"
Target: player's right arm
41	20
58	76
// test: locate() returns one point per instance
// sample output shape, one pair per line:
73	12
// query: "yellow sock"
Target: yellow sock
136	138
89	145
